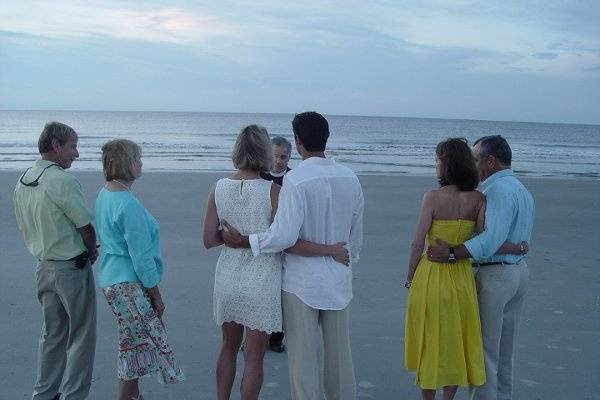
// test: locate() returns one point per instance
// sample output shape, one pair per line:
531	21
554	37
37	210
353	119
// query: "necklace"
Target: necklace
122	184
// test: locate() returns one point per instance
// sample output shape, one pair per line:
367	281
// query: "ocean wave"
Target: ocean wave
203	141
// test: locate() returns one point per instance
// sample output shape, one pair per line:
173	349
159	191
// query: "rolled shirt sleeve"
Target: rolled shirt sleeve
356	230
138	237
499	212
68	196
285	229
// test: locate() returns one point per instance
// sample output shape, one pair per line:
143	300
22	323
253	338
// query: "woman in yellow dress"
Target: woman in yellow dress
442	329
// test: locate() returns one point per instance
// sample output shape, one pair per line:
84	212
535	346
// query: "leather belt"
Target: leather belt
81	261
487	264
70	259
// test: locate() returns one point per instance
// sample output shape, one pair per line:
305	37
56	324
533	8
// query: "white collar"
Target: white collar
278	174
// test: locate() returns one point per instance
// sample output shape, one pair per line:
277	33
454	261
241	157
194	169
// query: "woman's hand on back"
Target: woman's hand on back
340	253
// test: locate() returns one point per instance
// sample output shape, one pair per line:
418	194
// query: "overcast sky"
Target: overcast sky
497	60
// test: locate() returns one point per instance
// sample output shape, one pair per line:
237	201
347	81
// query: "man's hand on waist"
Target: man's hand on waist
233	238
440	252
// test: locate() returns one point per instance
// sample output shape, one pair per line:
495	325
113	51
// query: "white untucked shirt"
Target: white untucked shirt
320	201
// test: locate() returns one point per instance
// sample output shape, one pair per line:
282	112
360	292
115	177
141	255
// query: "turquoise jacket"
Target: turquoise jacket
129	241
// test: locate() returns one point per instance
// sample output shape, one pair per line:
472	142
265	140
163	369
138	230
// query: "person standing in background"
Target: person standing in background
282	150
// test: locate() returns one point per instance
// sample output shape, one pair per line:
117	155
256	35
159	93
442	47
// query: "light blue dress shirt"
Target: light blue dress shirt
129	241
509	217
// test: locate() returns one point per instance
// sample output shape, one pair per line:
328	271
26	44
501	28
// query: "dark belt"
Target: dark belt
80	260
70	259
487	264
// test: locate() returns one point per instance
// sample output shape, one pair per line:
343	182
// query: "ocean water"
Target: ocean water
183	141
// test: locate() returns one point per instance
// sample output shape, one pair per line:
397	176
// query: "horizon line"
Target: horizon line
290	113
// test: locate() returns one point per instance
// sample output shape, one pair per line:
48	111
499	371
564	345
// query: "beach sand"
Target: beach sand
558	347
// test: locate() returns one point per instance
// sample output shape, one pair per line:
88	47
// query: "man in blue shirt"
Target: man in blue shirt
501	278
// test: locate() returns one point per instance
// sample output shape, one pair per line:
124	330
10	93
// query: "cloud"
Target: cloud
564	63
546	55
492	36
595	68
112	20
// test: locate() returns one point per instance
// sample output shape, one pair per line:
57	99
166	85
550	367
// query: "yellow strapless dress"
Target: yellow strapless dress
442	332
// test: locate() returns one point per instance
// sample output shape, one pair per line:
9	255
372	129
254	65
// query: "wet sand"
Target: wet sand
558	347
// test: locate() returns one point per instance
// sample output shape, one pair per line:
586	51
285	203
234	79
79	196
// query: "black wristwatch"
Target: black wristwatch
451	256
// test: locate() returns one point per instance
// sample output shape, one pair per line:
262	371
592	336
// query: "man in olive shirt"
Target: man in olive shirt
57	230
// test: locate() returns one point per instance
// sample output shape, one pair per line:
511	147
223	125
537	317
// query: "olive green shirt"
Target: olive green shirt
49	214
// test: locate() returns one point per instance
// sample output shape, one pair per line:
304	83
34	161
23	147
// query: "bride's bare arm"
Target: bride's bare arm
212	234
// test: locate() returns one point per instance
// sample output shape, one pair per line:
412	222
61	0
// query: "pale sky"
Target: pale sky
495	60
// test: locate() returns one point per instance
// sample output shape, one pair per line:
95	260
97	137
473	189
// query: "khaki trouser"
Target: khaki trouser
301	324
500	290
68	339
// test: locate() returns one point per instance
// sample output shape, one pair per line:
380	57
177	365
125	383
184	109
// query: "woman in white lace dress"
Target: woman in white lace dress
247	294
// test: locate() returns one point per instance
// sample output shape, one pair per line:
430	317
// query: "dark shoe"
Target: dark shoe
276	342
277	347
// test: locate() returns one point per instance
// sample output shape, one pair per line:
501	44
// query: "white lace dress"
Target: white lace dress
247	288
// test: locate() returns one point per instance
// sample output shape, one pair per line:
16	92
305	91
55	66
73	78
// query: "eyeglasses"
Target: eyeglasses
35	182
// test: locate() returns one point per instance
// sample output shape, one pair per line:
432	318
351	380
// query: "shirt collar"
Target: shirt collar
279	174
317	161
41	163
495	176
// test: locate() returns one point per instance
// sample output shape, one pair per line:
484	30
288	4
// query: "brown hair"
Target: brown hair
118	157
252	149
458	164
54	130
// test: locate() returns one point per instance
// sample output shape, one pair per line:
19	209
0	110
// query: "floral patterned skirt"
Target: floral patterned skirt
143	345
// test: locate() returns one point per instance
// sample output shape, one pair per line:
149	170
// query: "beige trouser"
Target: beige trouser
68	339
500	290
301	324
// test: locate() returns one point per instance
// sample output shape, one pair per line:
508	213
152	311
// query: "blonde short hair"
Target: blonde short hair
118	157
252	149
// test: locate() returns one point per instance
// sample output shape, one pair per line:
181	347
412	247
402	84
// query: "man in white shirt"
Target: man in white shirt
321	201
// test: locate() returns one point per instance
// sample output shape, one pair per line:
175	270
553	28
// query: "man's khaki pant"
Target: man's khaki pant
500	290
68	339
301	325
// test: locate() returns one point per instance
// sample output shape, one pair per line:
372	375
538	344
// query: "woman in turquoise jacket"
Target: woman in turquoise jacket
130	270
